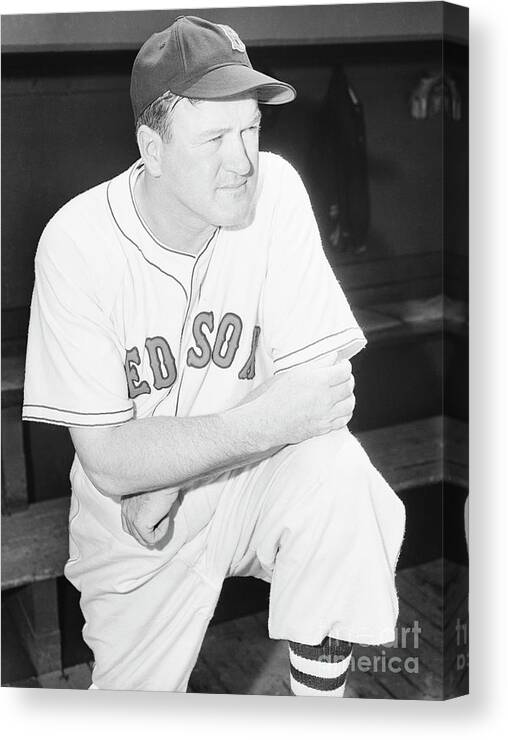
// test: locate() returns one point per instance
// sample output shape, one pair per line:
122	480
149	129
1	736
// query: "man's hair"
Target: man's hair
159	114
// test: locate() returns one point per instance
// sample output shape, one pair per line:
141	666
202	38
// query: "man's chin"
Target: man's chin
238	220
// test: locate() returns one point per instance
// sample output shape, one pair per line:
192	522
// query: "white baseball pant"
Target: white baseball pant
317	520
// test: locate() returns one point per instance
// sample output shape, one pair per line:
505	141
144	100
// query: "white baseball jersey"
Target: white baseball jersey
122	327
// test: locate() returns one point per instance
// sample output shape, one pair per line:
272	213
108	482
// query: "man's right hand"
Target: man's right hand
305	402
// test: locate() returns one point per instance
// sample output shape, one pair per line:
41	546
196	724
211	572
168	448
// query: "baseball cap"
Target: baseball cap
195	58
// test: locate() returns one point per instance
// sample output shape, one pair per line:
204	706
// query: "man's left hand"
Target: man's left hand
146	516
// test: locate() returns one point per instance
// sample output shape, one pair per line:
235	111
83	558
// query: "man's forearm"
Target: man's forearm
162	452
167	452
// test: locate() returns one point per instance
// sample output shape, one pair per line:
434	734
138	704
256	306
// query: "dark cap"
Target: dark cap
195	58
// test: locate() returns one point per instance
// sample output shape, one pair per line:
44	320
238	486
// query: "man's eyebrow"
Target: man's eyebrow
213	132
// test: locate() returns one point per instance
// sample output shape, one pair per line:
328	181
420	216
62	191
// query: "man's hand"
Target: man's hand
145	516
305	402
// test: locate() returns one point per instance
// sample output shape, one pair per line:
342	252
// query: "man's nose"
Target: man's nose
237	159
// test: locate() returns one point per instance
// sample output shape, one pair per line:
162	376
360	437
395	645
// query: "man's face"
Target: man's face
210	163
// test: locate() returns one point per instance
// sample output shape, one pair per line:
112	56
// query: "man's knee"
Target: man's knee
335	482
332	464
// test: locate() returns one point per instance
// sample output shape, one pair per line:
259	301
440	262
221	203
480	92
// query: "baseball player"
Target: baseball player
187	328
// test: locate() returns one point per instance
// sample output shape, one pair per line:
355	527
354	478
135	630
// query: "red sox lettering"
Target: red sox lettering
228	337
221	350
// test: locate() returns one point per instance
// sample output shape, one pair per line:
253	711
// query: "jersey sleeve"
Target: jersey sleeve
74	373
305	312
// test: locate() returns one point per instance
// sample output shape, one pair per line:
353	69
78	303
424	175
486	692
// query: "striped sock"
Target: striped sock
319	670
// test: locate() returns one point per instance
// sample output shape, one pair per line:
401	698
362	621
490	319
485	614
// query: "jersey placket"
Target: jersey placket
197	277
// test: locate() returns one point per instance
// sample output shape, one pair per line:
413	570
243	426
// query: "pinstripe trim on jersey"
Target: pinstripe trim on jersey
317	341
322	354
72	423
354	342
69	411
145	226
311	344
309	359
182	368
66	417
153	264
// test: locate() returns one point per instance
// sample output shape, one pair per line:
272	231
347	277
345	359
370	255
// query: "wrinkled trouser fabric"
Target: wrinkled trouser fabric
316	520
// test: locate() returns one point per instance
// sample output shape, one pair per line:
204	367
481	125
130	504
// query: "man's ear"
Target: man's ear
150	148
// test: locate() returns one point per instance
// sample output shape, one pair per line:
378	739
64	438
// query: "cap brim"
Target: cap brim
235	79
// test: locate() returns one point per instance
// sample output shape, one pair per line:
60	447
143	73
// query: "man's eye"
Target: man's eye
252	130
215	138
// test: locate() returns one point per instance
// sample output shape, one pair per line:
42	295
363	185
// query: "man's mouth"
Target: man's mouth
235	186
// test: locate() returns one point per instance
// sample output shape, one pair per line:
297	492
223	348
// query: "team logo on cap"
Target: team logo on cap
236	42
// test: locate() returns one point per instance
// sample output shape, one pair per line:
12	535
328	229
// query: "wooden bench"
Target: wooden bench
34	536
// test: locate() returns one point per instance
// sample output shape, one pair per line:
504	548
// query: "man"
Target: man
186	327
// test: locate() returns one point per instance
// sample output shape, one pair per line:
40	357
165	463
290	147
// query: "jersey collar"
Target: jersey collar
128	221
